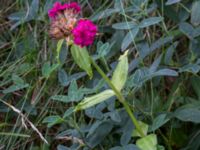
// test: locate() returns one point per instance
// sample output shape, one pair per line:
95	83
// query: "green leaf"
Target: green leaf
103	48
14	88
47	69
150	21
52	120
95	99
158	122
61	98
104	14
148	142
130	36
189	30
144	128
165	72
121	72
188	114
62	77
170	2
193	68
195	15
74	94
17	80
100	131
124	25
68	112
82	58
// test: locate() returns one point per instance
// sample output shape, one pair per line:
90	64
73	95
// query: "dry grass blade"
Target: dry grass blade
25	119
71	138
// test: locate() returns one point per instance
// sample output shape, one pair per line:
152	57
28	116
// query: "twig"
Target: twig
25	119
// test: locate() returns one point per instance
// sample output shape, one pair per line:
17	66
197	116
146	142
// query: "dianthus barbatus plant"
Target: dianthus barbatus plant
79	33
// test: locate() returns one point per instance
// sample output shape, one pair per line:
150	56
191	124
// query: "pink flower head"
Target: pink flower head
58	7
84	33
74	6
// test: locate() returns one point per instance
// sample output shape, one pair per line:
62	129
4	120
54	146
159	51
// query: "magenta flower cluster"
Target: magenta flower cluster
58	7
84	31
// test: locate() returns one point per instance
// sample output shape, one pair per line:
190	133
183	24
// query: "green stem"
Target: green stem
120	97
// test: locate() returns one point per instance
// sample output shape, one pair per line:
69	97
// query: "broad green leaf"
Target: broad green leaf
148	142
158	122
193	68
74	94
189	30
25	16
61	98
165	72
169	53
95	99
121	72
17	16
82	58
14	88
127	130
170	2
17	80
143	75
188	114
130	36
159	43
150	21
103	48
34	7
104	14
124	25
68	112
99	133
47	69
144	128
62	77
155	64
195	15
53	120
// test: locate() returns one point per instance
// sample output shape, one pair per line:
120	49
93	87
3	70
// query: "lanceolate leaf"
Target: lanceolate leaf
121	72
195	16
130	36
124	25
150	21
93	100
82	58
188	114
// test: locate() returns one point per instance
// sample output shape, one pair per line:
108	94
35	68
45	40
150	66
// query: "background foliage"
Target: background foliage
163	82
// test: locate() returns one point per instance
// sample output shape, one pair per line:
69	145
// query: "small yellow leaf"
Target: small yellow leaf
95	99
121	72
